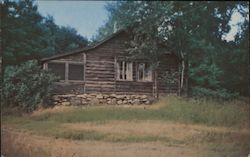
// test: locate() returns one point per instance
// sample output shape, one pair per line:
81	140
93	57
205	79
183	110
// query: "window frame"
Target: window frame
83	72
129	65
66	63
144	72
60	80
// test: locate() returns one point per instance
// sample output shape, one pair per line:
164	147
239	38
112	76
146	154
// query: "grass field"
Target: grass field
197	127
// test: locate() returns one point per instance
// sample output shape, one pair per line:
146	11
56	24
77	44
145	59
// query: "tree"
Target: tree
24	36
64	38
193	30
26	86
28	35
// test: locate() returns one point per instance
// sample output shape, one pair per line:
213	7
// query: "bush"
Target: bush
26	86
209	93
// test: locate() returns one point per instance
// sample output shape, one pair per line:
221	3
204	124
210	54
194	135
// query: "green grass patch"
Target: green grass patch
212	113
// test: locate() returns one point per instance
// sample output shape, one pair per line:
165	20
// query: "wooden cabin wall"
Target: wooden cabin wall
100	66
100	77
100	70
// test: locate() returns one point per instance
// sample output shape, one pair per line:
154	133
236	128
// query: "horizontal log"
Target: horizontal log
134	86
100	82
99	79
99	76
134	83
134	93
99	62
101	58
101	68
133	89
99	86
97	72
111	90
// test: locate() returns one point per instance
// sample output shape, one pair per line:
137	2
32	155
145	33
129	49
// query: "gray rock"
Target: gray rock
99	96
75	101
136	102
120	96
144	100
113	101
119	102
147	102
82	96
125	102
66	103
84	102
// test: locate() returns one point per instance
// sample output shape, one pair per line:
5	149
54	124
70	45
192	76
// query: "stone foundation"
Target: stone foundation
99	99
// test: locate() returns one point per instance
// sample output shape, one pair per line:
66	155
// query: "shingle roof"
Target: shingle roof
81	49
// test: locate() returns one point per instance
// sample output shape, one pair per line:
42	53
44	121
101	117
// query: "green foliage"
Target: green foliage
26	34
64	38
26	86
193	30
170	77
214	94
206	75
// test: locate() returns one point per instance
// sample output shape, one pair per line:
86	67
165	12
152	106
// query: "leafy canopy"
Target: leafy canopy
26	34
194	30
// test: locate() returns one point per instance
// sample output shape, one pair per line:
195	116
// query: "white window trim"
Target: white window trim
129	74
143	74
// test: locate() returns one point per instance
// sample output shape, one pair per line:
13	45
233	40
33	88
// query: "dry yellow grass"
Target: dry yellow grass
55	109
151	128
69	148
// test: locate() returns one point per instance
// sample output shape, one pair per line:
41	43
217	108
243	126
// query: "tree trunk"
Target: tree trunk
182	73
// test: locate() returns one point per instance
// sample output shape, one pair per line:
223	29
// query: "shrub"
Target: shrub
209	93
26	86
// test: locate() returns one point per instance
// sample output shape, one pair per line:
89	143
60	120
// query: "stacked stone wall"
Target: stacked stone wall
101	99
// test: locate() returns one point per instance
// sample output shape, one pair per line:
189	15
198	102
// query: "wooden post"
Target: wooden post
156	85
179	80
45	66
115	74
66	72
155	89
84	72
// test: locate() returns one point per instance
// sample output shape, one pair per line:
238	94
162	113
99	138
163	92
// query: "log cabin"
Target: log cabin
107	68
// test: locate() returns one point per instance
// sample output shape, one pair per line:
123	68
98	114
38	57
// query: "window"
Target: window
124	70
144	72
67	71
76	71
58	69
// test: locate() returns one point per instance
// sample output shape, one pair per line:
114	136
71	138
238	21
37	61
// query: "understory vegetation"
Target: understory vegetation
26	86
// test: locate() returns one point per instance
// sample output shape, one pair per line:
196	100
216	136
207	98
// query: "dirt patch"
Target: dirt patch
21	142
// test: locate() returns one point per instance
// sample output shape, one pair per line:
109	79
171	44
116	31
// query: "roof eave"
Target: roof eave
82	49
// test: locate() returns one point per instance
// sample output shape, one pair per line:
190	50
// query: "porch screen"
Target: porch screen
76	71
58	69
